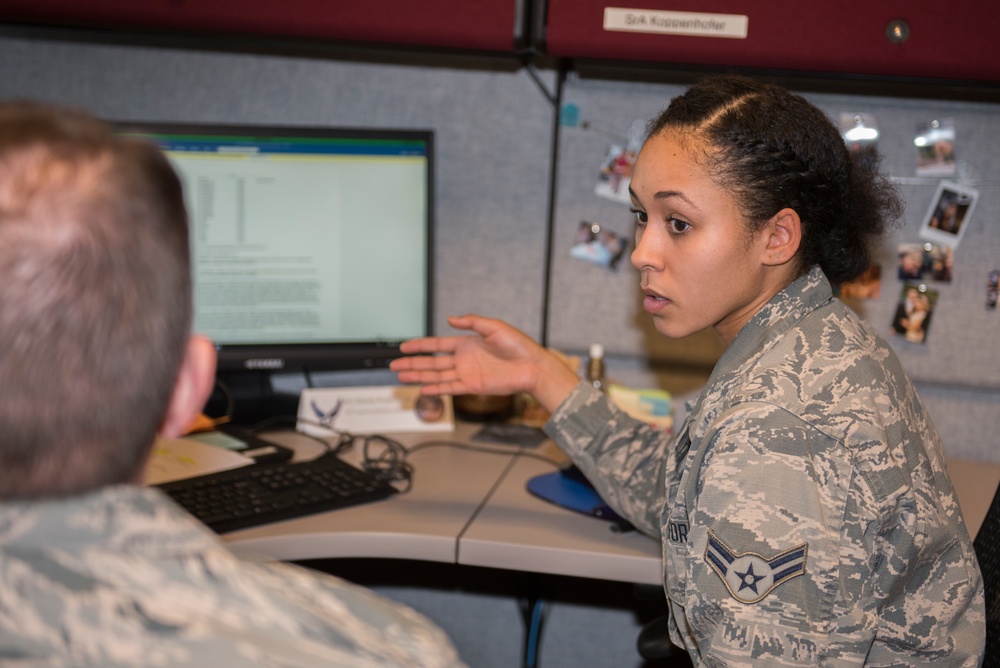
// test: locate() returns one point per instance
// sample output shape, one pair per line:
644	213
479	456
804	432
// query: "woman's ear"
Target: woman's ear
783	235
194	383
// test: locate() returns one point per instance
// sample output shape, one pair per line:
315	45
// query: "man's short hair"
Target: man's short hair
95	300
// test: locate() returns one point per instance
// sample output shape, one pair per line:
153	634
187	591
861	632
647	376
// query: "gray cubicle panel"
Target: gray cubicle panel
493	136
957	369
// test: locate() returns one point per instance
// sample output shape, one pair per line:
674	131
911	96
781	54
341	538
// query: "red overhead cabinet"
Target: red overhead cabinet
489	25
903	38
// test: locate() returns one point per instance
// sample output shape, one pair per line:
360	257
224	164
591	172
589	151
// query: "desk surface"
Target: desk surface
518	531
449	485
472	508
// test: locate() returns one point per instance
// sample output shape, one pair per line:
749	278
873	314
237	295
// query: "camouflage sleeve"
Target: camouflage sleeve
123	578
796	559
364	627
623	457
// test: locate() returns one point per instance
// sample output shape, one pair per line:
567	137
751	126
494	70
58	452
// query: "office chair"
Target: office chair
987	546
653	643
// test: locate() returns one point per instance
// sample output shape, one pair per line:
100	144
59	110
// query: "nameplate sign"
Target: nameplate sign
377	409
696	24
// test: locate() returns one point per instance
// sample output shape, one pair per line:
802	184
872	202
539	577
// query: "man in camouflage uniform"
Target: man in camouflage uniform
805	513
96	357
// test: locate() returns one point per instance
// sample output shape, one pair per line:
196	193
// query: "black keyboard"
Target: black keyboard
261	493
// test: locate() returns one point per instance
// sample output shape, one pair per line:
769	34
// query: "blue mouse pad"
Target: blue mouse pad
569	489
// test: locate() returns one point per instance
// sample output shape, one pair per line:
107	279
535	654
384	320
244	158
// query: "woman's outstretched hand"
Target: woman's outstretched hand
496	359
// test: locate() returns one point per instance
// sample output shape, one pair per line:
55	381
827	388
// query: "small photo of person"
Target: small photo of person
992	289
866	286
935	142
616	167
598	245
616	174
922	261
949	214
911	262
912	320
941	262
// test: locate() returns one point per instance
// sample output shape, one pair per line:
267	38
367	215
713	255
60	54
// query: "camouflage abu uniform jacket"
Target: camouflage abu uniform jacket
804	510
122	577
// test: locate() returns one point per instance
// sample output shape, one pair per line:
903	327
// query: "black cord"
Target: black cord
228	395
385	458
392	462
382	456
343	442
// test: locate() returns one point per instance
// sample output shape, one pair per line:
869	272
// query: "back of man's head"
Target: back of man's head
94	300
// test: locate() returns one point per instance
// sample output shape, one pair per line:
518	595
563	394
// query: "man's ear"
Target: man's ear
194	384
782	235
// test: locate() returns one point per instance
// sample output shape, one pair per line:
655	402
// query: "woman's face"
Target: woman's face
698	265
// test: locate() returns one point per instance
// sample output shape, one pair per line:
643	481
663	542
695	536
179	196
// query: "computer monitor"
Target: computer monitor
311	247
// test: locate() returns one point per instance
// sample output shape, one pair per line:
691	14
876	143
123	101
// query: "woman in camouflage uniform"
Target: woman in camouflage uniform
804	508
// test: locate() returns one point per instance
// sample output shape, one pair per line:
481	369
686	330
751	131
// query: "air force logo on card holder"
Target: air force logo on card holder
750	577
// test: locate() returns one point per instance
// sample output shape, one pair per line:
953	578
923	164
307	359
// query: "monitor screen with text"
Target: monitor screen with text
303	240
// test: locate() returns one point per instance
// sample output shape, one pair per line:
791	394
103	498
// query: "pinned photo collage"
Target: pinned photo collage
918	264
597	243
932	260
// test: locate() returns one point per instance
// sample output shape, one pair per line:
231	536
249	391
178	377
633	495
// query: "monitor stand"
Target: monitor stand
249	398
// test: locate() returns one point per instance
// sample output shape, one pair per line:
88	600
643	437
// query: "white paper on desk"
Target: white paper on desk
377	409
179	458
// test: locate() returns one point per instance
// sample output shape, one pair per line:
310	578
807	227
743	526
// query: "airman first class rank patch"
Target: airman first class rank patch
750	577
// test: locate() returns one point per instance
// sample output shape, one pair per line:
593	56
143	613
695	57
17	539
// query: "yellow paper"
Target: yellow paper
179	458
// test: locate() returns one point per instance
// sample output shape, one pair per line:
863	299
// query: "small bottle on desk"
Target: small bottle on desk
595	368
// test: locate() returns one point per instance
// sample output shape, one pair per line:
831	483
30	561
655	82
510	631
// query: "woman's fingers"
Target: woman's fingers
423	363
429	344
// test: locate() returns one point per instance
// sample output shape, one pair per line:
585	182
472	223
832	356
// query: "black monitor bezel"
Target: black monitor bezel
323	356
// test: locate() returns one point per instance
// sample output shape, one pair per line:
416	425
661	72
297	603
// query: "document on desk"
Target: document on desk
379	409
179	458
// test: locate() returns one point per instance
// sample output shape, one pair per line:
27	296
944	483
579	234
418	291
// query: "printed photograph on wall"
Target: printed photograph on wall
914	311
866	286
925	261
616	167
598	245
859	129
616	173
935	142
949	214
